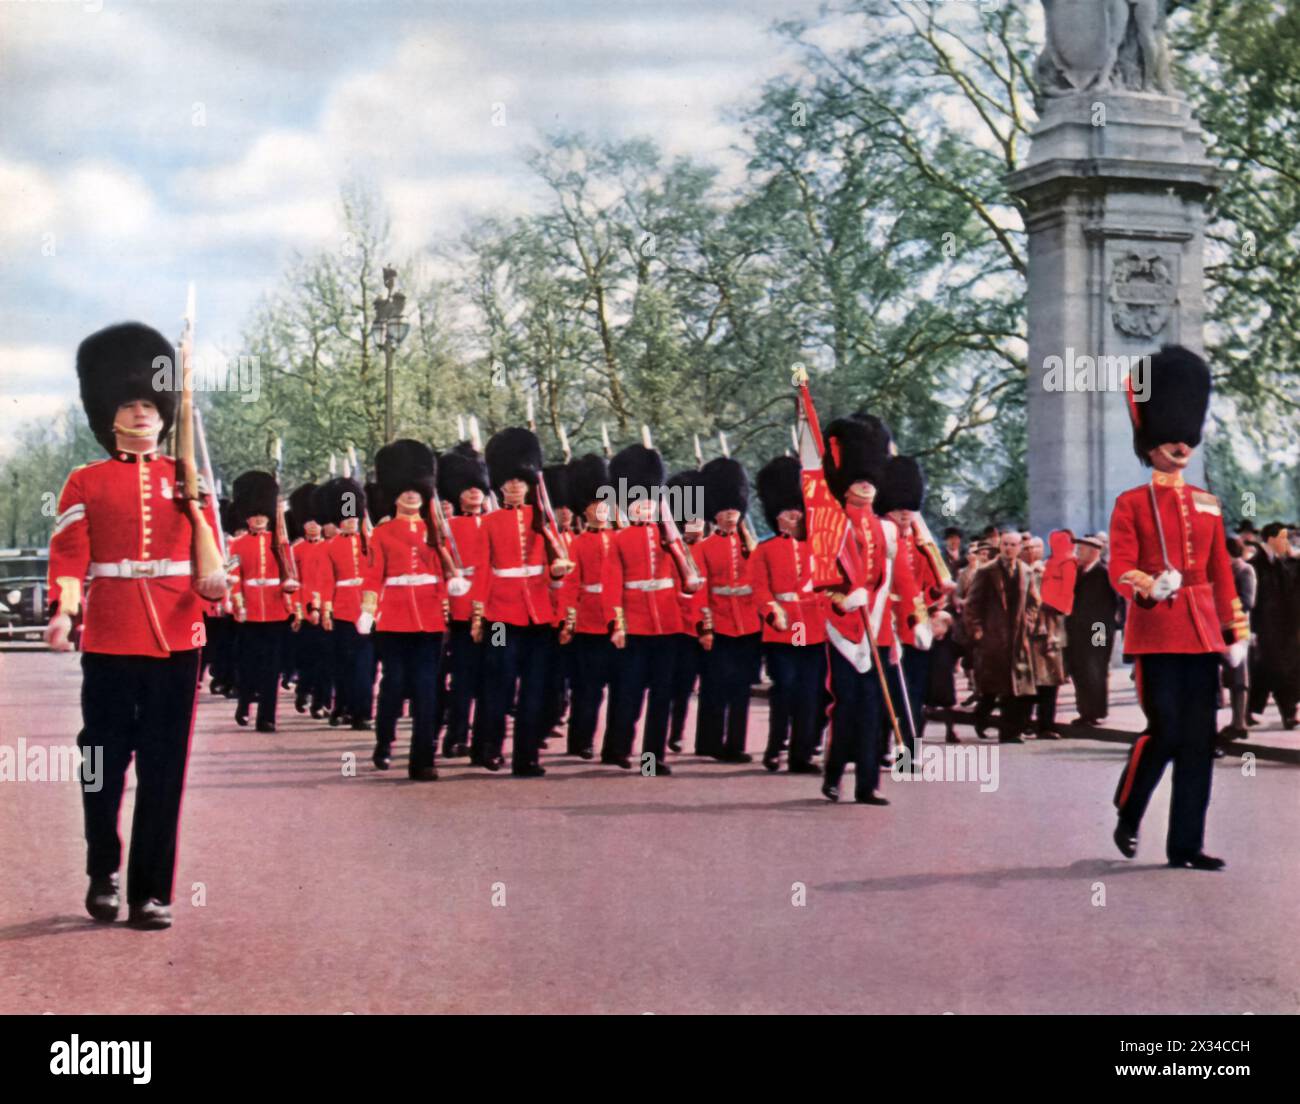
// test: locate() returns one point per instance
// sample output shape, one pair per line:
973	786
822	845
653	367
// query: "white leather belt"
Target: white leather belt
139	569
467	571
648	584
733	592
262	582
593	588
411	580
528	571
787	596
348	582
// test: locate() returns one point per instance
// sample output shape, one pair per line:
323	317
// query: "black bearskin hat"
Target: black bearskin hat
780	488
726	486
302	509
405	465
226	515
686	496
378	504
116	365
459	469
556	477
902	487
255	492
513	453
587	475
1178	395
856	448
642	467
339	498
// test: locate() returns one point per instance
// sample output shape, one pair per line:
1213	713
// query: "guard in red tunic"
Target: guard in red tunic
463	487
346	614
639	587
558	673
730	633
585	631
313	658
263	597
686	500
412	613
1169	559
857	450
121	525
794	619
512	609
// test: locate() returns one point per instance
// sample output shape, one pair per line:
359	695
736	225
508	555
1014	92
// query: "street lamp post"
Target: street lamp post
389	330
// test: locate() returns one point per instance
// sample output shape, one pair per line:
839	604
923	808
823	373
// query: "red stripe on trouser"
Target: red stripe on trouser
1130	772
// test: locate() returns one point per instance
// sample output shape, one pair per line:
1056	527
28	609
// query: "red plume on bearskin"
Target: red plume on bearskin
1178	396
857	448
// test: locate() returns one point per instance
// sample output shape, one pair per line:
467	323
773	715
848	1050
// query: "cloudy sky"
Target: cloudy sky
145	143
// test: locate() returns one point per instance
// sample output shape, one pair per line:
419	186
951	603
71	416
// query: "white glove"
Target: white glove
1237	653
1166	585
924	636
854	600
365	622
458	585
290	585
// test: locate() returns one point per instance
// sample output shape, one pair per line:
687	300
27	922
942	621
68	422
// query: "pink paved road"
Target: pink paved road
332	894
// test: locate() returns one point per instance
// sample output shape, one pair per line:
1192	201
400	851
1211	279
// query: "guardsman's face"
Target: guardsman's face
727	520
348	525
329	530
138	418
311	529
471	501
410	501
641	510
257	523
514	491
901	518
565	517
597	513
861	493
1172	457
693	530
789	522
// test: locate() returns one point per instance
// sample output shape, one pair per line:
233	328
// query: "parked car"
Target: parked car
23	571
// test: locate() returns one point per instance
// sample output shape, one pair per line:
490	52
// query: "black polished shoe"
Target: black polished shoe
772	762
950	736
870	799
803	768
103	898
299	705
1219	753
335	720
675	745
265	726
1010	740
361	726
1084	722
317	711
737	757
529	770
831	791
1049	734
1199	861
382	757
1126	840
422	774
661	768
285	684
241	719
586	753
621	761
494	762
150	915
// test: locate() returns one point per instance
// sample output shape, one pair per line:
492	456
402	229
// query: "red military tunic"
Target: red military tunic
307	554
927	581
641	582
514	588
782	574
1206	607
557	586
471	543
873	552
409	572
726	570
120	524
345	567
257	585
582	597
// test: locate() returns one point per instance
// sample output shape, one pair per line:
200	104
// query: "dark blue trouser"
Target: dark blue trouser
727	675
465	658
857	707
141	706
409	664
643	668
590	658
514	654
261	644
558	676
315	666
916	674
1179	697
686	672
798	674
354	685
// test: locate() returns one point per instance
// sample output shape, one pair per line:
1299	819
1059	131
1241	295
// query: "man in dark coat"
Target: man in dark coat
1275	622
1090	632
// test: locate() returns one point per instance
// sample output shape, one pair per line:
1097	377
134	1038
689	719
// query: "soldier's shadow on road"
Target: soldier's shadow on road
664	808
67	924
995	879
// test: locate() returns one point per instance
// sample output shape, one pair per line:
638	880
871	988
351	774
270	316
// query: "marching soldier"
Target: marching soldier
686	500
512	609
344	565
641	581
585	632
411	612
730	633
463	486
794	619
263	597
219	652
857	450
1170	562
556	478
314	667
121	525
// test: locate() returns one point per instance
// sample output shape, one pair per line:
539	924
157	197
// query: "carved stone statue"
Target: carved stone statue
1104	45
